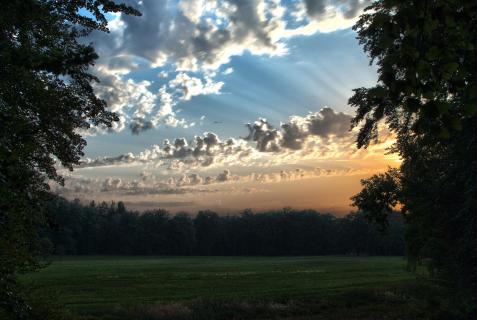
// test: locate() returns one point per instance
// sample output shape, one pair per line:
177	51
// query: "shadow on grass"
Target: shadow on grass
409	302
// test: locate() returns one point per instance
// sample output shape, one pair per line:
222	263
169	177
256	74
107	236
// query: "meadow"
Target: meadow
226	287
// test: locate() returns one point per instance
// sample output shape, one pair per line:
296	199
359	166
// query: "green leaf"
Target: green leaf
470	109
442	107
385	42
430	109
413	104
428	94
450	67
432	54
423	69
455	124
378	92
430	25
444	133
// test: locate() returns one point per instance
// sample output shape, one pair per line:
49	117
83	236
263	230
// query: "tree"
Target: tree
379	197
46	98
427	95
104	229
208	232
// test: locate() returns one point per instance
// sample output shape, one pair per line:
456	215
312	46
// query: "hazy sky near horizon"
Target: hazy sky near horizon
229	105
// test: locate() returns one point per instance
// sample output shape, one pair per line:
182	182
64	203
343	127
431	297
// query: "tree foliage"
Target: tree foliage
46	98
427	95
426	57
111	229
379	197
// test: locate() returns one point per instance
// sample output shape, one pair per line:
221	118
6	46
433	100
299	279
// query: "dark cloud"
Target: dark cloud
107	161
139	125
223	176
264	135
354	7
349	8
182	37
327	122
315	8
293	134
182	34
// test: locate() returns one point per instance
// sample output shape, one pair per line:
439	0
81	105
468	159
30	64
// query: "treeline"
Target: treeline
112	229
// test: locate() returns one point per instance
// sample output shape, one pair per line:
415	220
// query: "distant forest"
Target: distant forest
112	229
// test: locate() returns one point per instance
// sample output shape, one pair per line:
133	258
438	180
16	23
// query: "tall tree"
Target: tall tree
426	56
46	97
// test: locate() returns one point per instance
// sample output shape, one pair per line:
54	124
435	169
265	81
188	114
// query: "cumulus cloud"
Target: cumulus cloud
138	125
135	103
294	133
204	151
198	34
228	71
318	136
163	74
150	184
192	86
325	133
315	7
348	8
293	136
264	135
142	108
328	122
224	176
193	39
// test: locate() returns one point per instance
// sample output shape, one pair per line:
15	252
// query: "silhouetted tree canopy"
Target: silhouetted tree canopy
112	229
46	98
379	197
426	57
426	53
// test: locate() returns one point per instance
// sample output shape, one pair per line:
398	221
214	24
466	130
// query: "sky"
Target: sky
228	105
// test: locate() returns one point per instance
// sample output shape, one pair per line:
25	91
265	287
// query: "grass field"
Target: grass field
98	285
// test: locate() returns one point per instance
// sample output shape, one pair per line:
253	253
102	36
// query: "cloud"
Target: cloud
327	122
138	125
137	104
349	9
110	184
158	204
319	135
196	34
315	7
201	34
294	133
163	74
181	167
192	39
228	71
191	86
150	184
203	151
293	136
264	135
225	176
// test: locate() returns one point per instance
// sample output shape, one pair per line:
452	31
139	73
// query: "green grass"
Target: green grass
99	284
